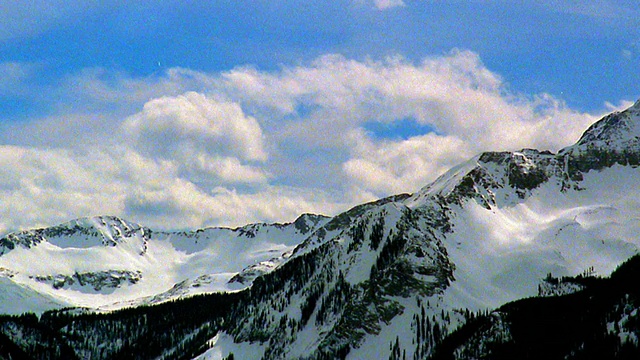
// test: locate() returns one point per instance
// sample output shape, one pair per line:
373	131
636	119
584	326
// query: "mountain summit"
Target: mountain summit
390	279
618	130
80	233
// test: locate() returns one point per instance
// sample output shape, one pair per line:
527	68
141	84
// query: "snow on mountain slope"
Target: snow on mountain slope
386	279
106	262
80	233
502	253
516	216
348	281
617	131
18	299
503	220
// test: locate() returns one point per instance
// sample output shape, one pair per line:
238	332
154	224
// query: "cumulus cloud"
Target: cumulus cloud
399	166
327	104
247	145
44	187
200	134
40	186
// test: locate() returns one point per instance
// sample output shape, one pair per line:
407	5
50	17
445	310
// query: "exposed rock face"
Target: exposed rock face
97	281
392	278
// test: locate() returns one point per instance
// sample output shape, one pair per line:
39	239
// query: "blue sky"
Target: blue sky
241	111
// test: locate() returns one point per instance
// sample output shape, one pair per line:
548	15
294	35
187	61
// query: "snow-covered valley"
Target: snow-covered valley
135	265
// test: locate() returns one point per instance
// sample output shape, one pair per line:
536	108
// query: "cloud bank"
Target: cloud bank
187	149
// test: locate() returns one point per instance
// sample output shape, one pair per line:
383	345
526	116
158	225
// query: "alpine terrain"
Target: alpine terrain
526	254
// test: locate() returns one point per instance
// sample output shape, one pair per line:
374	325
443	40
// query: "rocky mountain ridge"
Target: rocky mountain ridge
387	279
107	262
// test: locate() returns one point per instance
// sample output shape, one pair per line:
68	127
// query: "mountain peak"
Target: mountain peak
82	232
618	130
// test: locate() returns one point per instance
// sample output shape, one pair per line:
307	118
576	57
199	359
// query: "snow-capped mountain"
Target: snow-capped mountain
385	280
591	318
109	263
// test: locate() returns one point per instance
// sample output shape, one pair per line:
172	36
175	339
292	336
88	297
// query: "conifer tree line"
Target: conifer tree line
602	320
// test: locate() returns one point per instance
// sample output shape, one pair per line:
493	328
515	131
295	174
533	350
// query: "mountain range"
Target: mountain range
491	260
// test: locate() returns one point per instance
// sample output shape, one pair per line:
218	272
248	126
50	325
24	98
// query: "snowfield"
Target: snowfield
170	265
502	253
386	279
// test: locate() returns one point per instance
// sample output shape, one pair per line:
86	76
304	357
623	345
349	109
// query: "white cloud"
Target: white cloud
381	4
403	166
247	145
179	203
622	105
42	186
325	105
201	134
631	50
387	4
